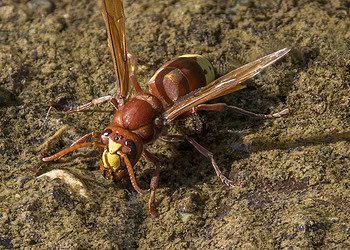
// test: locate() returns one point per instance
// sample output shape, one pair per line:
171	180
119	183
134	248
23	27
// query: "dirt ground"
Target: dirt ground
296	170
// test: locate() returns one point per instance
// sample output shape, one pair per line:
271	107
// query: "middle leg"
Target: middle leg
84	106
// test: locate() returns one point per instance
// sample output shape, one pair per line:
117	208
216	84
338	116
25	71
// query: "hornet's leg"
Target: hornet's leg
71	109
172	138
203	151
210	155
117	176
86	137
114	101
154	182
100	100
73	148
218	107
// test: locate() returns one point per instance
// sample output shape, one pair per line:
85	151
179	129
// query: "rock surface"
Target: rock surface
295	170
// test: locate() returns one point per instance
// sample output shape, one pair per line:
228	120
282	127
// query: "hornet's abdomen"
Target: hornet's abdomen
179	77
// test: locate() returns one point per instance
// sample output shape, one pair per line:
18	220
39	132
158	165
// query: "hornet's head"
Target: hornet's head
120	143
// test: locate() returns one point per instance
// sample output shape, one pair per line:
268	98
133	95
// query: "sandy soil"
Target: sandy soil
295	170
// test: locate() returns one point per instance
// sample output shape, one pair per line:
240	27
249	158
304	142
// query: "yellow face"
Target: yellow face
110	158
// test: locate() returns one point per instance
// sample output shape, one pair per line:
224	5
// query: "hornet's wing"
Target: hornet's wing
224	85
113	14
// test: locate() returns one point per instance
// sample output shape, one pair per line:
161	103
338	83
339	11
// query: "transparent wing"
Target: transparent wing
113	14
224	85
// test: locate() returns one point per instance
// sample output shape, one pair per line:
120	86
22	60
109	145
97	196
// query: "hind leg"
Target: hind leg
219	107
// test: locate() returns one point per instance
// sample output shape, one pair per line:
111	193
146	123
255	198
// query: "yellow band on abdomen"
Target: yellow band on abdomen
205	66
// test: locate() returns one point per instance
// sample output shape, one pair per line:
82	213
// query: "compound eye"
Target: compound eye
130	149
129	143
107	132
118	137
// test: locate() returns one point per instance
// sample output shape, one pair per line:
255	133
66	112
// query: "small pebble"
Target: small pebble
185	217
7	12
74	183
43	7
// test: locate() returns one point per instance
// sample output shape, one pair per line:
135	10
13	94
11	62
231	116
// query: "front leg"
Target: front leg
70	109
154	182
86	137
73	148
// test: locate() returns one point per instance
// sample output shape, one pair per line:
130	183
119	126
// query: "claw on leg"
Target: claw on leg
210	155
